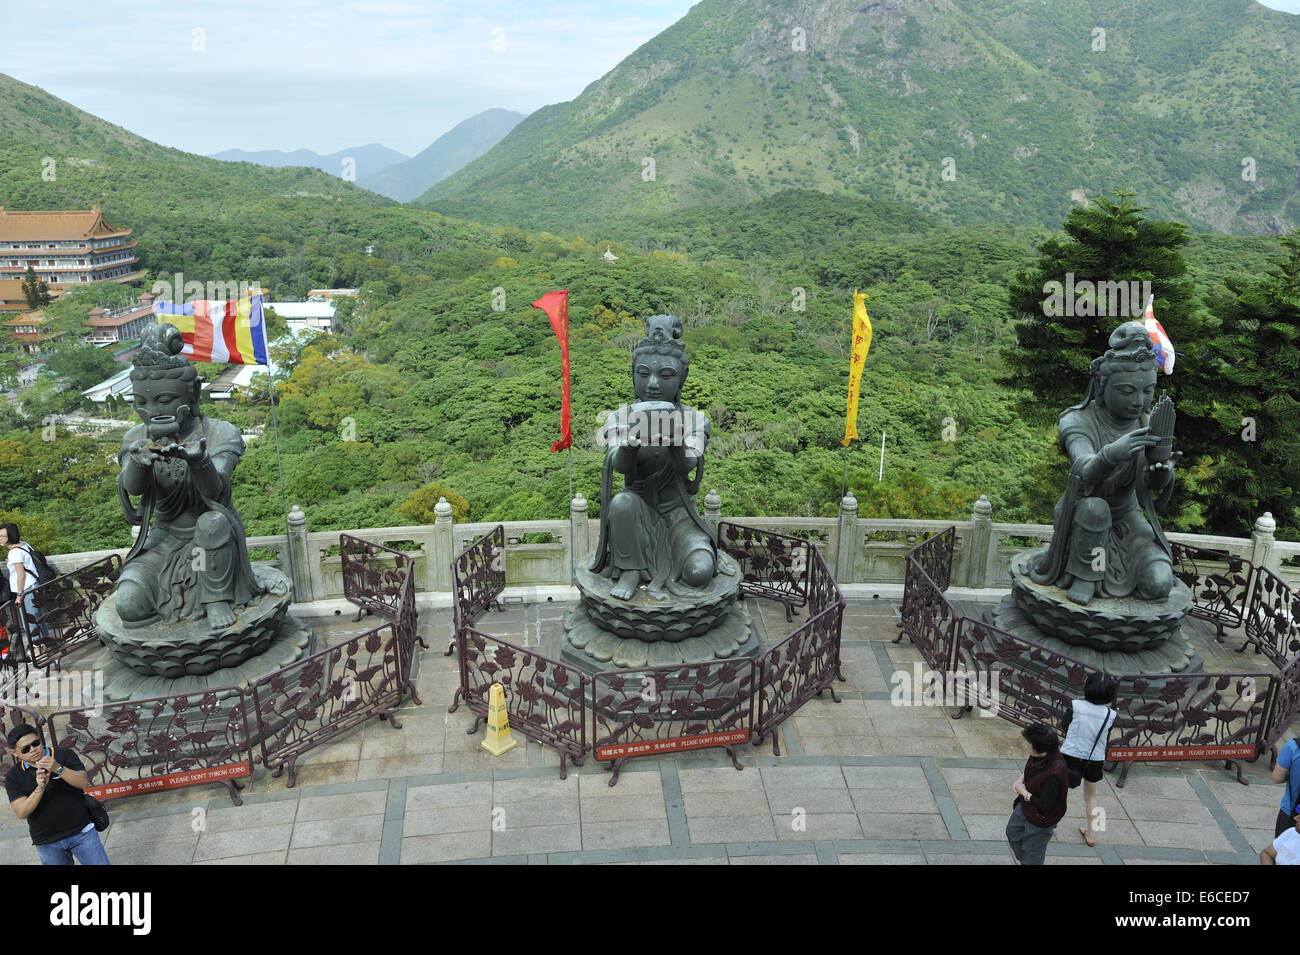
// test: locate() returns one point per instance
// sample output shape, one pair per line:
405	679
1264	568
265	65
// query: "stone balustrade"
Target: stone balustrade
859	550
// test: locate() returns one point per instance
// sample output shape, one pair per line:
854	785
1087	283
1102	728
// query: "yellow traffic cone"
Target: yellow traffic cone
498	741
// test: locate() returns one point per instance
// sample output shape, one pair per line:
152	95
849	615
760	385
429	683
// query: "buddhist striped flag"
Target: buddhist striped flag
1164	348
231	332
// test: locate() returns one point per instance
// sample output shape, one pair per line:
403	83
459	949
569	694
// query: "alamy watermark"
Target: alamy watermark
178	290
1095	299
63	690
922	687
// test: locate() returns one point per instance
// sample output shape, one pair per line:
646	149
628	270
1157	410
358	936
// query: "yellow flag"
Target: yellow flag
861	345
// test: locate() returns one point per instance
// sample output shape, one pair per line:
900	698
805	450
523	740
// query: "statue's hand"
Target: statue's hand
1130	444
174	450
140	454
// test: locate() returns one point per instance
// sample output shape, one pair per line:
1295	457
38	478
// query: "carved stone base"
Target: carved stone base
588	646
291	642
655	619
1174	655
191	647
1104	624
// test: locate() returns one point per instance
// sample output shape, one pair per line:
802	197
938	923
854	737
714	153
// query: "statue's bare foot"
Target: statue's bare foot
1082	591
220	614
626	585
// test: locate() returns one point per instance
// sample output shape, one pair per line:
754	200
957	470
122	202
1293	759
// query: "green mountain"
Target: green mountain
463	143
972	110
365	160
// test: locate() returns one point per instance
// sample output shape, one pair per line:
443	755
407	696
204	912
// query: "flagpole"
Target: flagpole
844	479
881	476
279	464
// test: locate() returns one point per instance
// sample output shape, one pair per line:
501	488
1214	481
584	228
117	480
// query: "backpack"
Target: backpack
44	572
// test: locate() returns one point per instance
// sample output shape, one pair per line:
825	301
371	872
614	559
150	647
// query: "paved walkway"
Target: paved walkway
861	781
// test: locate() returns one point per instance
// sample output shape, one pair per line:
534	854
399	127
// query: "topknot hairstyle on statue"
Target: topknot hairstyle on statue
663	335
160	355
1131	349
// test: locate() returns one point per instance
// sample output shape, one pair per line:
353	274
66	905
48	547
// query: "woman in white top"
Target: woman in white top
22	573
1087	728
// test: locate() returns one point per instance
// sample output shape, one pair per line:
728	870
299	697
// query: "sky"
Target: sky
325	75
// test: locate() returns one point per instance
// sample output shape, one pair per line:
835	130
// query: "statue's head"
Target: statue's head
1124	379
166	385
659	362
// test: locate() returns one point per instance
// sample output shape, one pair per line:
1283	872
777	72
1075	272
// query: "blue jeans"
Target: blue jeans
84	845
29	601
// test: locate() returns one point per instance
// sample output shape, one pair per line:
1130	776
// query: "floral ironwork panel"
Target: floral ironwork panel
1273	618
797	669
1197	709
1217	595
66	607
928	619
935	557
772	565
373	575
479	575
1019	680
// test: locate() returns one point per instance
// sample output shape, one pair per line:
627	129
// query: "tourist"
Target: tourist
45	787
1087	727
22	574
1285	849
1287	770
1040	796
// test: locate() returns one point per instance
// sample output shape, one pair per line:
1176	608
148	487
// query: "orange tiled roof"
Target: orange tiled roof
56	226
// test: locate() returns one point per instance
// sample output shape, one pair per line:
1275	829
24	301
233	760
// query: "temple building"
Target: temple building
65	248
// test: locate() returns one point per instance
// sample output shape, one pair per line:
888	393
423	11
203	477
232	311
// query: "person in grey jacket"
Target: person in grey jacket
1088	726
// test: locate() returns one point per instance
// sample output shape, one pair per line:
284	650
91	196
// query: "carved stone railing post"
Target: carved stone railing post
712	512
444	547
1262	551
979	551
579	544
845	537
300	556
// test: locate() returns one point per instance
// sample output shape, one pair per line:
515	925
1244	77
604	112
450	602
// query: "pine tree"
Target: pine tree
1258	353
1059	335
35	289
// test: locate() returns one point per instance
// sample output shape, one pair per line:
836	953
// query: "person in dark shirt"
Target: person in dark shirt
45	787
1040	796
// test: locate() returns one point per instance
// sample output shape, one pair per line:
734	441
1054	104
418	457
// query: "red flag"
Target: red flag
556	307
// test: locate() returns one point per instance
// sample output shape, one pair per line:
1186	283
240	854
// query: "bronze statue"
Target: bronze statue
650	532
190	559
1107	540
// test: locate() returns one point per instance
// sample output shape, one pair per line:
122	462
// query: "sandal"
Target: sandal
1087	837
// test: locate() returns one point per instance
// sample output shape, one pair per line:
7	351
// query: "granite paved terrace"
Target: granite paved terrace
876	783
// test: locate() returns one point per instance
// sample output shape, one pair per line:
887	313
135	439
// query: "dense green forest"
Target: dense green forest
444	380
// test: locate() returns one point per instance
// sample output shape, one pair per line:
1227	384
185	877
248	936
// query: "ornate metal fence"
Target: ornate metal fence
774	565
1217	597
935	557
315	699
373	576
545	699
655	710
1194	709
798	668
1016	679
66	607
129	744
1283	708
1273	619
928	619
478	576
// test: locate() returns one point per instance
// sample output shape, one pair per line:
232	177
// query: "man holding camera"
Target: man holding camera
46	787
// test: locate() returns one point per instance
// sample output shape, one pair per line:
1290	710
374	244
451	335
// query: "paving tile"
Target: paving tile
537	812
162	852
937	858
811	800
449	794
622	809
1182	835
921	746
708	860
256	858
1251	815
392	767
889	777
818	826
843	746
726	803
880	858
330	832
242	841
719	779
313	773
1144	782
131	832
888	801
594	786
401	743
424	822
897	825
1157	809
342	805
706	829
534	788
446	847
774	860
250	815
353	853
536	839
622	834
